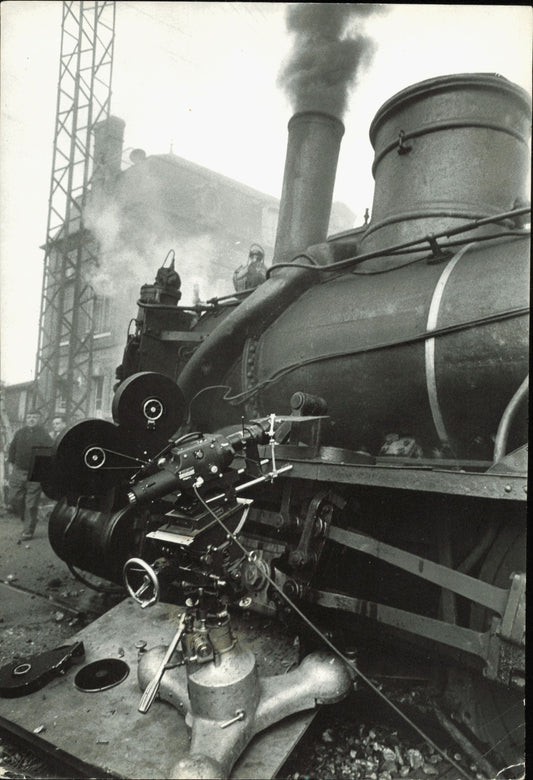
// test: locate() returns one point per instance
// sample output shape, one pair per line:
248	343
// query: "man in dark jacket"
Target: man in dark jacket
253	273
24	495
58	426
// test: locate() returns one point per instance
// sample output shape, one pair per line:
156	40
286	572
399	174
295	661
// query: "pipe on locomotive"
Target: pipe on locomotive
309	176
308	181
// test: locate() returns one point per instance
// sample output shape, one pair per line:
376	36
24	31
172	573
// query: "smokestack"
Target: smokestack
328	50
310	166
322	67
317	78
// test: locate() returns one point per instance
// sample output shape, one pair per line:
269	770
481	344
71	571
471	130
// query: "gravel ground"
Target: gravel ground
57	606
359	738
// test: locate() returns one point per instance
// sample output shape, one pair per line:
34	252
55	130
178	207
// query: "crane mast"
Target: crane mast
66	322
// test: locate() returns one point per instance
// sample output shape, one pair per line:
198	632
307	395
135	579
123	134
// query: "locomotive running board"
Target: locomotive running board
102	734
428	476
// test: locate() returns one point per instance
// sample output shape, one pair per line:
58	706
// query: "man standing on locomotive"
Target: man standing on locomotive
253	273
24	494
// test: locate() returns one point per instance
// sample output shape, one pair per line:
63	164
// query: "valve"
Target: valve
150	581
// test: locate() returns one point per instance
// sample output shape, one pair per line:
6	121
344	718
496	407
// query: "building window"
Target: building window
98	395
102	315
22	405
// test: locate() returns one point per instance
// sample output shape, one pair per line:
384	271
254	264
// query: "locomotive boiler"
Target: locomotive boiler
349	439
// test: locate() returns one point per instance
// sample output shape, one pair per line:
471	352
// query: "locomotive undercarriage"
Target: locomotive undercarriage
445	574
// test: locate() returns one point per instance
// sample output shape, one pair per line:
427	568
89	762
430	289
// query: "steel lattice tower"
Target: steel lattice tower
66	323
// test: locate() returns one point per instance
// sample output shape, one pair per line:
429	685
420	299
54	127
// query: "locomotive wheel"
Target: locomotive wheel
493	713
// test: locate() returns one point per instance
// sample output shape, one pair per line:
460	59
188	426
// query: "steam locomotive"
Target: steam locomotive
349	438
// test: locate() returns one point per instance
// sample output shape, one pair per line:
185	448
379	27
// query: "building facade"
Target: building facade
142	211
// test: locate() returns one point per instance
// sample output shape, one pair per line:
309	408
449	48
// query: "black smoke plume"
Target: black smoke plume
327	53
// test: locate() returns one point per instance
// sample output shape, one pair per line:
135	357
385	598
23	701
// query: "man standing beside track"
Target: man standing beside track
24	495
58	426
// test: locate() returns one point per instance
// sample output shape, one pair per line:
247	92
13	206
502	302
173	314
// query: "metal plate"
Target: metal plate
106	736
101	675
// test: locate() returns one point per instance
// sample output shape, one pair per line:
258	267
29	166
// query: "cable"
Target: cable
446	330
313	267
503	739
387	270
251	557
393	251
513	766
203	390
125	455
99	588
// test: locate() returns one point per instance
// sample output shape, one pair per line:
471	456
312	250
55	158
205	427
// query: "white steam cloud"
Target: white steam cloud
130	253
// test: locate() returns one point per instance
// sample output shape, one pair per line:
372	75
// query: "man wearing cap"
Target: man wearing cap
251	275
24	495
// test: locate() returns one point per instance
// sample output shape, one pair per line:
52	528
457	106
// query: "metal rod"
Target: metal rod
270	475
502	434
153	687
467	746
463	584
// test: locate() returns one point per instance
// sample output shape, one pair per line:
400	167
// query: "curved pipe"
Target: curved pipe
309	177
219	351
500	443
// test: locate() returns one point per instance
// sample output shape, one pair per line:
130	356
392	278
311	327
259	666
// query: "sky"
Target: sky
201	79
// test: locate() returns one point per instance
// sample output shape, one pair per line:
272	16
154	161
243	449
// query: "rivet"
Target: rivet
508	488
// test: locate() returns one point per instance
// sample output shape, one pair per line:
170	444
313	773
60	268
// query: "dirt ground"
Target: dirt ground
56	605
42	605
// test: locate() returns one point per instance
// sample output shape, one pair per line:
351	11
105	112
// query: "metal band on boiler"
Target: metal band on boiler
433	315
